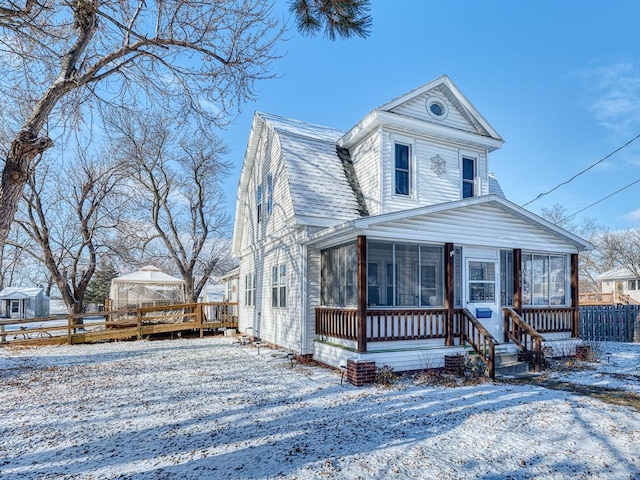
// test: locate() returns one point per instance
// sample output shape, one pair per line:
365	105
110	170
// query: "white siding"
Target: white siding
268	161
416	108
480	225
280	326
366	161
428	187
313	298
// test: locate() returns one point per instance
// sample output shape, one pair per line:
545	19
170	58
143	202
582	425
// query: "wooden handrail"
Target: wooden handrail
136	322
523	335
482	342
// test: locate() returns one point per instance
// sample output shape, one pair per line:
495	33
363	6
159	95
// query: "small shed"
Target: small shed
23	302
148	287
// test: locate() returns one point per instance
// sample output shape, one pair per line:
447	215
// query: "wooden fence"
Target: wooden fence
119	325
614	323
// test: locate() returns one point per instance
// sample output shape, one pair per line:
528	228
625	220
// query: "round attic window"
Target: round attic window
437	108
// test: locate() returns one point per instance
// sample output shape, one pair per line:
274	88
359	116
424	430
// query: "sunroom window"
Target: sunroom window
544	279
404	275
338	277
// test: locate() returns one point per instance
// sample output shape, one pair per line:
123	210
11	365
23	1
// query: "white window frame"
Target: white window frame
279	285
409	142
259	194
269	194
250	289
474	182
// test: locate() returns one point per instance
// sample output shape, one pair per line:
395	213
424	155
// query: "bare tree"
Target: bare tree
177	194
69	213
592	262
60	58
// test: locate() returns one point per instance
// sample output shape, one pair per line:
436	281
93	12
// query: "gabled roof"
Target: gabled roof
482	133
358	226
148	274
320	190
618	273
16	293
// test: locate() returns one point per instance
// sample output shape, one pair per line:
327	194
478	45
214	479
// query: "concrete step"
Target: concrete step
508	365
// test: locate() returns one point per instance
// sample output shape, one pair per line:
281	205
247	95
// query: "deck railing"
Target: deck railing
482	342
596	298
524	336
117	324
549	319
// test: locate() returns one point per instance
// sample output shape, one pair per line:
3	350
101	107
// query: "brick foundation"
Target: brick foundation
454	363
360	373
583	352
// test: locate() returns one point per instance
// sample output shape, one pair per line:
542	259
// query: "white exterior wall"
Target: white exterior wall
427	187
267	162
266	244
313	299
610	286
483	225
366	162
416	108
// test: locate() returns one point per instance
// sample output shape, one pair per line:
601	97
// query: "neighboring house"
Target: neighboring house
231	281
23	302
620	284
391	242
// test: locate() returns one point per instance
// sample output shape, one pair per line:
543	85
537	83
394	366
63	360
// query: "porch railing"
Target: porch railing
383	325
337	323
549	319
482	342
523	335
387	325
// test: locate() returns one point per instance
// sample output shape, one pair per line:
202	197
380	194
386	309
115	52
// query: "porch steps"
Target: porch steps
508	365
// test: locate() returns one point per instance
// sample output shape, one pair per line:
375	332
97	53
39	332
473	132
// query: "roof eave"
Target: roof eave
243	184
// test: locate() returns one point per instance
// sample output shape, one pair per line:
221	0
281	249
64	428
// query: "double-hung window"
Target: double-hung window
279	286
269	194
402	169
468	177
259	202
249	289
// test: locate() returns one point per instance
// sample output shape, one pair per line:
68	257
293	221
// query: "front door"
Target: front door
14	309
482	293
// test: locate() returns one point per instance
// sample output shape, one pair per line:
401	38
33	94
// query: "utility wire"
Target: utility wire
603	199
584	171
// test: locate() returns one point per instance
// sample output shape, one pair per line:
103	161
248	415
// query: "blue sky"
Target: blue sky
559	80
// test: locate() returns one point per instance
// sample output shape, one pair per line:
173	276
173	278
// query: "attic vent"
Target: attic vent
437	108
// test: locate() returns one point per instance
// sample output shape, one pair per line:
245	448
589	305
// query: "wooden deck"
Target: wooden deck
611	298
119	324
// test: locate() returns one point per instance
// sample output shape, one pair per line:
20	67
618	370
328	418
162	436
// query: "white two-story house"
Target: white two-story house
391	243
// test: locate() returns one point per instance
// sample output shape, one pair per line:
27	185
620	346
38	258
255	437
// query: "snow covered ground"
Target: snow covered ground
210	409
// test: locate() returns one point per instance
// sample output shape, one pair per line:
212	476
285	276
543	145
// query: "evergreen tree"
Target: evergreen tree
98	288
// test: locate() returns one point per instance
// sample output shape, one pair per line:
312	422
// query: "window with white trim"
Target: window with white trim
249	289
269	194
468	177
402	169
482	281
279	286
259	202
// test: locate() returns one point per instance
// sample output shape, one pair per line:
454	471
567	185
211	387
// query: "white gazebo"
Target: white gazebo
148	287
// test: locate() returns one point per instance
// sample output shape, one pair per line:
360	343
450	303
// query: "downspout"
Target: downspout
303	297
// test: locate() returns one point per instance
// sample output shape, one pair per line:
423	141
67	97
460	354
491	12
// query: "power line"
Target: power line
604	198
584	171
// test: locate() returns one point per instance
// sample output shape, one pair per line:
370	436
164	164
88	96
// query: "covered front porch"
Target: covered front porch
419	337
